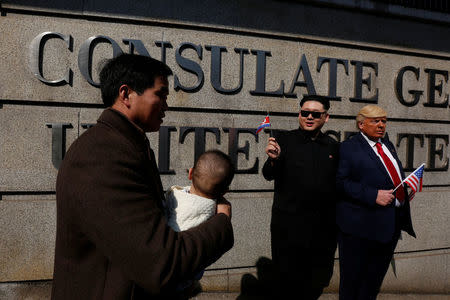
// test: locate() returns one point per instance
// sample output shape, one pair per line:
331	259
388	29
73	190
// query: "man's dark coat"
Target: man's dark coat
360	175
368	232
303	225
112	239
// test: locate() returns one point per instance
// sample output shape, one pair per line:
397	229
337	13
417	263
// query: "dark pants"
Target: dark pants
303	267
363	265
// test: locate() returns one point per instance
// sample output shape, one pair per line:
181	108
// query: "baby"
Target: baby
189	206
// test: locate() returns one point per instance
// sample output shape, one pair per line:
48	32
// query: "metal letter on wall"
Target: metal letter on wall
433	87
260	85
399	86
58	141
234	150
164	149
332	73
433	151
189	66
163	45
216	69
360	81
199	138
136	46
410	146
308	81
37	56
85	55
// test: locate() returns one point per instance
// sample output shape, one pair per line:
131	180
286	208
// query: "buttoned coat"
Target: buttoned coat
112	239
305	177
303	225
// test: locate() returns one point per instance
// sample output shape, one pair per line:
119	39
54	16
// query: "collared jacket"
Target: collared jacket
305	184
112	239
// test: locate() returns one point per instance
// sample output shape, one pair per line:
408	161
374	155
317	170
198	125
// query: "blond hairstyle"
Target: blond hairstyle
369	111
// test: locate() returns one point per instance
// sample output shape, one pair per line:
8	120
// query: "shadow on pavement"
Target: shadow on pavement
262	286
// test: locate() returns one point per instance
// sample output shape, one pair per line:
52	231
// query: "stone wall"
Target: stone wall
226	79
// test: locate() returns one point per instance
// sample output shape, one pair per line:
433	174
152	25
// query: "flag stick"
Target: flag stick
407	177
270	130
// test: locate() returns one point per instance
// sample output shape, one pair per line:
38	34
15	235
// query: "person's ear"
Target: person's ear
360	125
124	95
190	172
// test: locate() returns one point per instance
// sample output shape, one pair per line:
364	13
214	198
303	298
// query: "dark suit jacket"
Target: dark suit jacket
360	175
112	240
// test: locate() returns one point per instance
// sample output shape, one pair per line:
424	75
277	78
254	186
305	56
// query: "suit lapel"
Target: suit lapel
375	159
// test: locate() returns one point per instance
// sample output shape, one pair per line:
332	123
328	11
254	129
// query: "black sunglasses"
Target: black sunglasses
314	114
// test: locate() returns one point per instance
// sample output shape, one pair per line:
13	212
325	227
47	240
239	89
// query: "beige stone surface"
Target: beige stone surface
27	238
423	272
26	146
26	290
429	210
251	224
215	281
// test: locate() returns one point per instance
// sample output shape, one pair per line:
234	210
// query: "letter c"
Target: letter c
37	55
86	51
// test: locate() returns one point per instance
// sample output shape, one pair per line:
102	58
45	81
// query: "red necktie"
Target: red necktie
393	172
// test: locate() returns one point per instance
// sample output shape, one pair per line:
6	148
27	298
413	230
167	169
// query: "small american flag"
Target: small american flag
263	124
414	181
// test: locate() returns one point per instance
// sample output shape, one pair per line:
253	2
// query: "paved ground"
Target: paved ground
42	290
217	296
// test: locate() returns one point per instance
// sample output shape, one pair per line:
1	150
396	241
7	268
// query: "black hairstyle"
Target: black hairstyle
136	71
322	99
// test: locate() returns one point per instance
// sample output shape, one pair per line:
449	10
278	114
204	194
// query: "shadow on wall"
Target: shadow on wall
260	287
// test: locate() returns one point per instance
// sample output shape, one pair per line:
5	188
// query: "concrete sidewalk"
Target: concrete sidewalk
217	296
42	291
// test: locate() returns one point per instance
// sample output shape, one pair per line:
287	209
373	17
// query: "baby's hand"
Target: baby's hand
223	206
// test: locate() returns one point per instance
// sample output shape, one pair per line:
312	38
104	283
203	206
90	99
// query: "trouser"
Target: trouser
363	264
303	270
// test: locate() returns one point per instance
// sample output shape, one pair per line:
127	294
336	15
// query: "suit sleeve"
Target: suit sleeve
118	210
349	177
272	167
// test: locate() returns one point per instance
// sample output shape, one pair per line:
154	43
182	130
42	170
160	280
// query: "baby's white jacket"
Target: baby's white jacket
185	210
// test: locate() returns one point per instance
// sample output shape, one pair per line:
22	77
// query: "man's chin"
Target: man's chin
155	129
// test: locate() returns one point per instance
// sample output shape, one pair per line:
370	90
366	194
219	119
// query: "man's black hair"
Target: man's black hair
322	99
136	71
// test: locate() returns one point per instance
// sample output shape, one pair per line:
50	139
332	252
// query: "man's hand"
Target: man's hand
223	206
385	197
273	150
